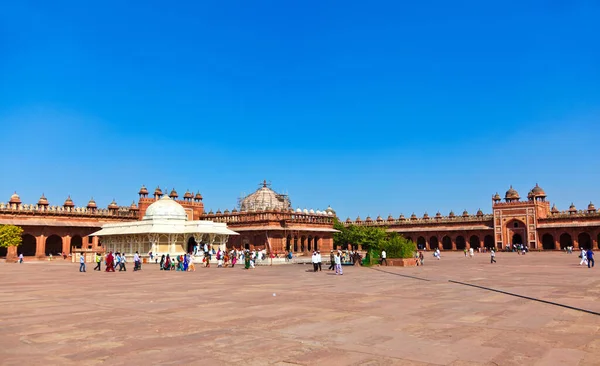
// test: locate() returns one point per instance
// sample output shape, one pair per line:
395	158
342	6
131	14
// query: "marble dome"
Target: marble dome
265	198
165	209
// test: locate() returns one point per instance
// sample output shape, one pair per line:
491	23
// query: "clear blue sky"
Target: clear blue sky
373	107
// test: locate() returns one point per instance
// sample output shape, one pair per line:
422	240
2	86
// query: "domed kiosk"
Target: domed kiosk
164	229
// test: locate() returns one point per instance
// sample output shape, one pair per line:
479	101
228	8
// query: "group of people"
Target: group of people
183	263
587	257
111	261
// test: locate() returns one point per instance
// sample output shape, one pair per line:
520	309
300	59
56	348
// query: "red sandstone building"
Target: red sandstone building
513	221
264	220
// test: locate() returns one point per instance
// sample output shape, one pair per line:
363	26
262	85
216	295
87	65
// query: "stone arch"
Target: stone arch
516	238
474	241
76	242
434	243
28	245
447	243
461	243
53	245
421	243
316	243
565	240
191	243
547	241
488	241
288	243
584	240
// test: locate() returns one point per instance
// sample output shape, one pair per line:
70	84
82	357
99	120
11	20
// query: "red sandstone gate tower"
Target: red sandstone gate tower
515	221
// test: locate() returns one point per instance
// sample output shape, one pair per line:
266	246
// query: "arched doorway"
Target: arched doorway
28	245
421	243
3	251
295	243
474	242
565	241
447	243
584	240
488	241
310	243
302	243
53	245
76	242
548	242
288	243
191	243
433	243
517	239
316	243
461	243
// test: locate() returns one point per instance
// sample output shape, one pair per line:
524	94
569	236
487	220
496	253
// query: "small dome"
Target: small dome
368	219
572	208
451	214
465	213
479	213
348	221
305	211
299	210
496	197
158	191
379	218
218	211
113	205
329	210
358	219
390	217
15	198
165	209
538	191
69	202
211	212
413	216
133	206
188	194
512	194
43	201
91	203
530	195
173	193
438	215
426	216
591	207
198	196
234	210
143	190
311	211
401	217
554	209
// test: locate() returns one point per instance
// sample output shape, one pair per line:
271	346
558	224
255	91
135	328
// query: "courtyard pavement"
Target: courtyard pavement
286	315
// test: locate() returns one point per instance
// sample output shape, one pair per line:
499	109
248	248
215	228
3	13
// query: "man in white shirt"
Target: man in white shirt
123	261
136	262
315	262
383	257
338	264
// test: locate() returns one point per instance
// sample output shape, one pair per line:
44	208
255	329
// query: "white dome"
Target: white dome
165	209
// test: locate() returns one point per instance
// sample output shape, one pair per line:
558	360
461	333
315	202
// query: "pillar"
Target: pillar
453	243
66	244
40	246
556	241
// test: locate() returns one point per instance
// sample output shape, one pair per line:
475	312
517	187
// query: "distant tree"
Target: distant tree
398	246
10	236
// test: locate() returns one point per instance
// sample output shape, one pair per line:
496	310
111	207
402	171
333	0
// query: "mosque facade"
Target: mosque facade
531	222
266	219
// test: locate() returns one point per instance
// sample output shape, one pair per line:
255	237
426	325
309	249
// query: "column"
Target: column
66	244
453	243
556	237
40	246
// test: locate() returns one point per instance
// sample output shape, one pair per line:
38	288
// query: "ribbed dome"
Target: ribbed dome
143	190
43	201
92	203
511	194
165	209
538	191
264	198
15	198
69	202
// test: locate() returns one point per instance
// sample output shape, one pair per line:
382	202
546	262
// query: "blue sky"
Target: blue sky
372	107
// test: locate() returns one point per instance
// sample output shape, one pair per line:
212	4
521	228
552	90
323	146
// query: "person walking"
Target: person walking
21	258
122	263
319	259
136	262
583	256
81	262
314	261
590	257
331	261
383	257
98	258
338	264
492	256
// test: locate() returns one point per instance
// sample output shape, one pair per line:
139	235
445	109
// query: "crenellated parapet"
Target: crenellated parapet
235	217
48	210
425	220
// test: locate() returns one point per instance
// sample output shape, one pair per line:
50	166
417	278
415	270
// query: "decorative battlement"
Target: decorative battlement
413	220
31	209
239	217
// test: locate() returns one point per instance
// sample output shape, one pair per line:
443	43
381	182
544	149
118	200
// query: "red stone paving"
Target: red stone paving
54	315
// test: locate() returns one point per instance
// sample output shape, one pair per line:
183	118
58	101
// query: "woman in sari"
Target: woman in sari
167	263
247	261
233	259
110	262
162	262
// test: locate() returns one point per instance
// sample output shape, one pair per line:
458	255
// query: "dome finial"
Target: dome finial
264	183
